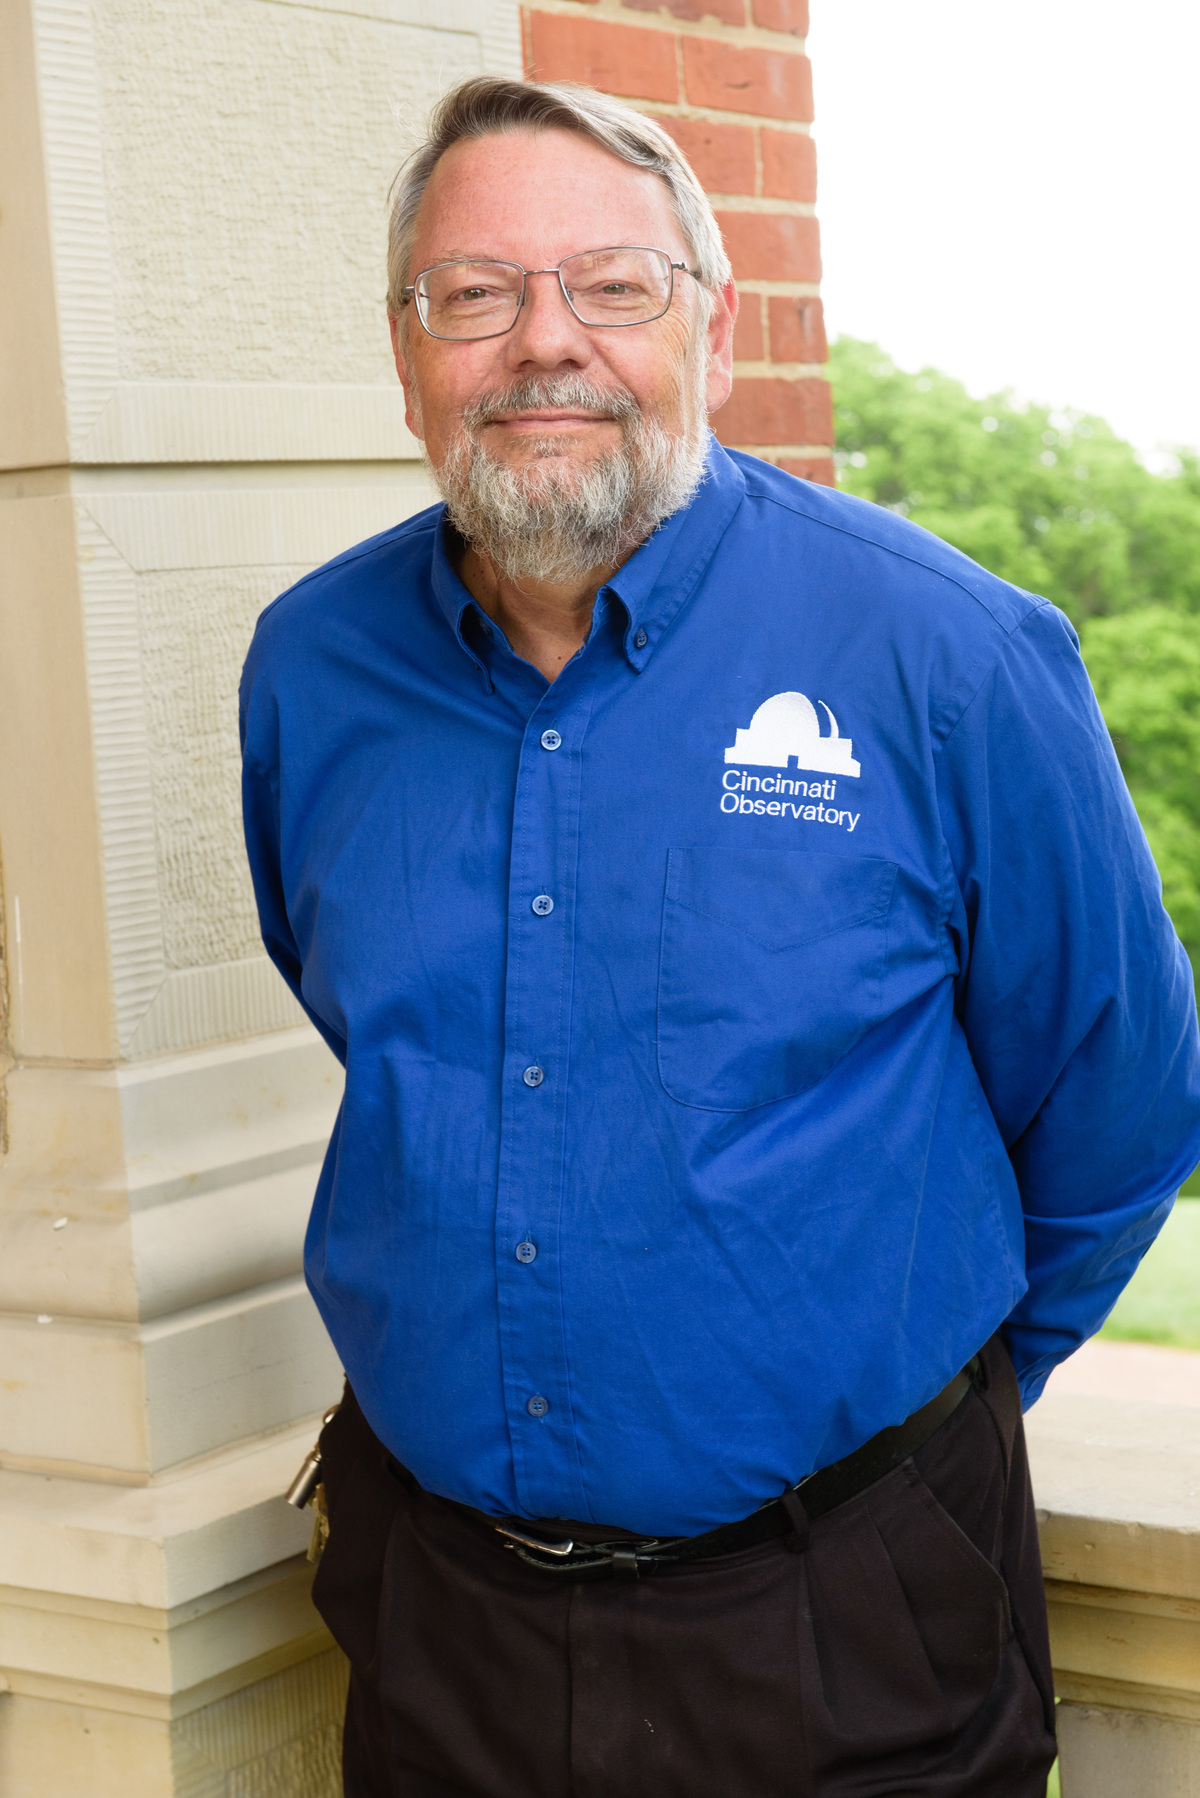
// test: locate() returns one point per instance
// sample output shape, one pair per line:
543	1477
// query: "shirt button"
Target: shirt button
527	1252
537	1406
543	905
551	739
641	640
533	1076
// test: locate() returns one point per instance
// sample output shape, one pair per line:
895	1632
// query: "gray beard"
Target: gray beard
556	520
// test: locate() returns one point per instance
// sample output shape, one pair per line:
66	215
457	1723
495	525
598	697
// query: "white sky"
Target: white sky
1012	193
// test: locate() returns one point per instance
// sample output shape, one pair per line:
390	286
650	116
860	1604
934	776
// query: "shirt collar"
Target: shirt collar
658	579
661	576
452	597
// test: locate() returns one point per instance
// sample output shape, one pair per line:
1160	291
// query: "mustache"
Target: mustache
531	393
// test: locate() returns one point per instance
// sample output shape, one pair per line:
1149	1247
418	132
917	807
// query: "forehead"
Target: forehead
535	197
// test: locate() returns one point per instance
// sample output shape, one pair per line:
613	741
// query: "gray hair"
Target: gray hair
489	105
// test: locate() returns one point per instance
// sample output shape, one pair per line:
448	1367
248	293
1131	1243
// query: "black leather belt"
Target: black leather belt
788	1516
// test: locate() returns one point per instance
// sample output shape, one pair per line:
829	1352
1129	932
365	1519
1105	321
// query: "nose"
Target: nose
547	333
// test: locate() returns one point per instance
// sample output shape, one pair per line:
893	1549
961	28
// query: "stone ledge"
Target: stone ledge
247	421
235	1367
125	1701
178	1539
1128	1650
148	1661
1121	1695
278	1735
1117	1483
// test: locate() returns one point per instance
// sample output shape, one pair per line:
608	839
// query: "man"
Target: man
766	1052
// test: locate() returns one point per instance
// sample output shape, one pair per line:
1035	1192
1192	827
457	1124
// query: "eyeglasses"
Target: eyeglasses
625	285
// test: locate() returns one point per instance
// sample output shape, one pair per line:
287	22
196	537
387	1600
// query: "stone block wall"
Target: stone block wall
731	82
197	405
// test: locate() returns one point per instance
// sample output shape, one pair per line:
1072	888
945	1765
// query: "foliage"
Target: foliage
1145	666
1051	500
1057	503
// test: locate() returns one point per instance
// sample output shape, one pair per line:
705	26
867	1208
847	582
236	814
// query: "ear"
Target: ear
412	403
720	346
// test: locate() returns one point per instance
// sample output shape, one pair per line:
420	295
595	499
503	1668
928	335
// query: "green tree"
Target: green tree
1145	667
1057	503
1051	500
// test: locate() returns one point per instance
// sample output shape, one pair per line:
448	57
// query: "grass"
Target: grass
1162	1301
1053	1789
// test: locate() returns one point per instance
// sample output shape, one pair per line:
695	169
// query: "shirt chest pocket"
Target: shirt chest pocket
770	970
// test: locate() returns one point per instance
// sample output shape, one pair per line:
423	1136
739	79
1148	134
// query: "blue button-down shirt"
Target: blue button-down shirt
854	1031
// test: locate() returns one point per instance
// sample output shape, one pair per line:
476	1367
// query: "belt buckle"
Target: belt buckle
559	1549
623	1559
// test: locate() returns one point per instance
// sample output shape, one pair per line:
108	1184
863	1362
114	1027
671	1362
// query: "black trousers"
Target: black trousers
903	1653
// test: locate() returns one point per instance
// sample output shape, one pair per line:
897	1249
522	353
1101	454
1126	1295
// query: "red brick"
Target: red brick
730	12
619	59
782	15
789	165
797	329
770	83
722	155
765	409
770	246
748	345
811	468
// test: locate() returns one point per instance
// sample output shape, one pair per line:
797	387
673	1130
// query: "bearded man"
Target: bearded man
766	1051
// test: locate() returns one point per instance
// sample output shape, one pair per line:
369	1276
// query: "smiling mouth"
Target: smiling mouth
553	418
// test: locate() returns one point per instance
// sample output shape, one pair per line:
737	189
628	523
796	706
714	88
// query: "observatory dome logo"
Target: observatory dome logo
786	726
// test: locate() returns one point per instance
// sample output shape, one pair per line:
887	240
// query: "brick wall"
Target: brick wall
731	82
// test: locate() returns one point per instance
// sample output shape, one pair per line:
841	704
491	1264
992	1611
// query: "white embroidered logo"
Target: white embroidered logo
787	725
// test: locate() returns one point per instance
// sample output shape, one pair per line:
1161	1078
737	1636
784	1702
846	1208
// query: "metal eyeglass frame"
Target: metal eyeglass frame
409	293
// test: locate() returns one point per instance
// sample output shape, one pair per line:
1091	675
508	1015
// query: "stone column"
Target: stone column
197	405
